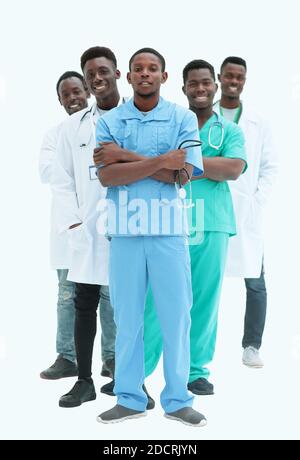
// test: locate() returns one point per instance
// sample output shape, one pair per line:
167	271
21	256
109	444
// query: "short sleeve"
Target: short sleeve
102	132
189	131
234	144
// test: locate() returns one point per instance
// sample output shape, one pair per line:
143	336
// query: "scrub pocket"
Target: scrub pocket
173	220
163	139
125	137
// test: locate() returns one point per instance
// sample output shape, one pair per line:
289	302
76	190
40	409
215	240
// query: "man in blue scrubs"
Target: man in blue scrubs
146	224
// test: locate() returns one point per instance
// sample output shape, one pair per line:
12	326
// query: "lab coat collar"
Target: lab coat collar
247	114
85	128
88	111
160	112
92	109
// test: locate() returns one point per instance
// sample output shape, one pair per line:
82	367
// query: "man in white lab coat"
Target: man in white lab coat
250	194
73	96
78	191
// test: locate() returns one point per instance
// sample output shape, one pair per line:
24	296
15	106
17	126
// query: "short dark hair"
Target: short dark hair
97	52
151	51
234	60
198	64
69	74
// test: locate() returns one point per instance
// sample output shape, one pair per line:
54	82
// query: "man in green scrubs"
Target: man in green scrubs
224	159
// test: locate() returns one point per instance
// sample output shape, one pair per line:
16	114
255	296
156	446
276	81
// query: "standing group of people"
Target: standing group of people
125	238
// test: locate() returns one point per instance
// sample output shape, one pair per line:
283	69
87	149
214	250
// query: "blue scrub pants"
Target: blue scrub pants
164	263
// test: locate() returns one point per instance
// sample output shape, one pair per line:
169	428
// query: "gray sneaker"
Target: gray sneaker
119	414
188	416
251	358
60	369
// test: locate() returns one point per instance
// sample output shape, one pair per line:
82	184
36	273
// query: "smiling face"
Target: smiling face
72	95
200	89
100	75
232	79
146	75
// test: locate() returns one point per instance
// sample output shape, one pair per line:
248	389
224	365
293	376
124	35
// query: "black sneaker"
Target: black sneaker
201	386
60	369
108	389
151	402
81	392
108	368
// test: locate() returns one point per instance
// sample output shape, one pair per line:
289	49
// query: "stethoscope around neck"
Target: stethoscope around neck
216	124
195	143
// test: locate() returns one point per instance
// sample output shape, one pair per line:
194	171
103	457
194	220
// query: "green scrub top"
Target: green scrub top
218	206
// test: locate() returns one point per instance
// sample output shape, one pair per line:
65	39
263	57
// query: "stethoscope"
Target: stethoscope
92	113
216	124
195	143
181	192
93	122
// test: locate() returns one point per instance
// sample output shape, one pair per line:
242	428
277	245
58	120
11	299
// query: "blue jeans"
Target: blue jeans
256	307
65	345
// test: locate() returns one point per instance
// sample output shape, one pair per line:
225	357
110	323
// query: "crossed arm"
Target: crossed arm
221	169
121	167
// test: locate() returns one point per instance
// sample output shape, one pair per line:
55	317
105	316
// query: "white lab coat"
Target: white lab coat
250	193
60	254
77	191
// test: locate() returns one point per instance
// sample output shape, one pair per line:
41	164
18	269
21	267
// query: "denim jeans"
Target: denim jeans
86	304
65	345
256	307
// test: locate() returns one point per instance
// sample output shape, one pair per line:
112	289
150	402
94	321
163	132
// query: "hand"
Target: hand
107	153
74	225
175	159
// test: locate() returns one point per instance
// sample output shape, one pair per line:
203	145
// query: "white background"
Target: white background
39	41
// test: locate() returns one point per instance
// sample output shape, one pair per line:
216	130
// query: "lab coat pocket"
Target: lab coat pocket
79	238
242	207
255	221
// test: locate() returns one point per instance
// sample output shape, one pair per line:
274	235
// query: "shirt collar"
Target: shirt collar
160	112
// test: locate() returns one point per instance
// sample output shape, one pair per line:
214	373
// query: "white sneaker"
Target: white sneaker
251	358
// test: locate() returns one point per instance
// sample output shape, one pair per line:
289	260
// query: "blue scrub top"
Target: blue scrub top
148	206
